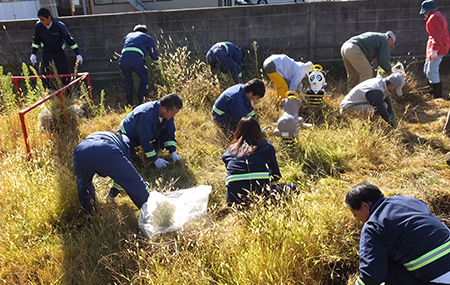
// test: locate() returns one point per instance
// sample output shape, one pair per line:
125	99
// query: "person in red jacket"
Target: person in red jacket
437	45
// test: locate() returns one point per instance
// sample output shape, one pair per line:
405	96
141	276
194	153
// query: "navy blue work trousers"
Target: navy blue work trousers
130	62
59	57
104	157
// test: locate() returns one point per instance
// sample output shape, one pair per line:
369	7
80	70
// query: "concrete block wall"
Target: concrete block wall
305	31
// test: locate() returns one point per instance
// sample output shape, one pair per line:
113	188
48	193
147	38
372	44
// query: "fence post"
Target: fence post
25	133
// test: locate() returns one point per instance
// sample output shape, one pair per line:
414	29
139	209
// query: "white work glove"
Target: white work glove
175	157
161	163
33	59
434	54
262	130
80	58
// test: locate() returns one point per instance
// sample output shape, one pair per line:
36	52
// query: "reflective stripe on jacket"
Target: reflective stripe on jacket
232	105
403	230
52	39
141	43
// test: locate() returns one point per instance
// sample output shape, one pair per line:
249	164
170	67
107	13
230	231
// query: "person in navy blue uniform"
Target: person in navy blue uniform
251	164
235	103
151	125
51	35
106	154
401	241
137	45
227	57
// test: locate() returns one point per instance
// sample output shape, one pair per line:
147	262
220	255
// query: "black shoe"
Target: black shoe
436	90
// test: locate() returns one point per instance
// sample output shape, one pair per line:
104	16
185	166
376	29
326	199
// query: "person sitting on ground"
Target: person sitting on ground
373	95
286	73
227	57
401	241
106	154
235	103
251	162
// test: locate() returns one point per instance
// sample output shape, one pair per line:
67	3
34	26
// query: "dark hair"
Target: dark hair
363	192
140	28
170	101
247	137
256	86
44	12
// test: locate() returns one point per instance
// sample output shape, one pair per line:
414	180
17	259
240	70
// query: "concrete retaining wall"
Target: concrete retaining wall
305	31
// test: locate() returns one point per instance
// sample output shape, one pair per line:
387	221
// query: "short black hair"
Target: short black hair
256	86
170	101
44	12
363	192
140	28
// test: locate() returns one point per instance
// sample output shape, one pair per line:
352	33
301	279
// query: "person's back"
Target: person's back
228	103
141	41
287	67
374	46
228	57
406	227
235	103
357	95
401	242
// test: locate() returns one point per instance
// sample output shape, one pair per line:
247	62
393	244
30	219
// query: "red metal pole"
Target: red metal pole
88	78
16	83
25	133
62	108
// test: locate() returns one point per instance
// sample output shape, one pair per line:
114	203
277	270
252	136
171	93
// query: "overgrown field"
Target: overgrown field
306	239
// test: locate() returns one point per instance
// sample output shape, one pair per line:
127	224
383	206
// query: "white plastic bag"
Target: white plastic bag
181	210
398	67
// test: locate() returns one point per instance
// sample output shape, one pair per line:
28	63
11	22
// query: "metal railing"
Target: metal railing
81	76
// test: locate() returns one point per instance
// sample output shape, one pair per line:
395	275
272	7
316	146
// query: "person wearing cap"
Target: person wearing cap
373	95
50	34
106	154
227	57
401	242
235	103
137	45
360	51
286	73
437	46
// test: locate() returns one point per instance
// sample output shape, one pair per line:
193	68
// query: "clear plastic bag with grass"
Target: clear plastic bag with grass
181	210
